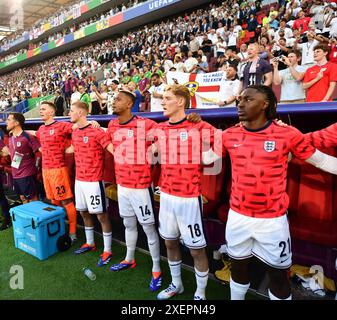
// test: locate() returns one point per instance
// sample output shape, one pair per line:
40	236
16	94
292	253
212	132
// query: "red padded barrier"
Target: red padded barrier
315	218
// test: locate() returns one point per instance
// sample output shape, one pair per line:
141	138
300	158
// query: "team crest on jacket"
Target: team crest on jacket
183	136
18	144
130	133
85	139
51	132
269	146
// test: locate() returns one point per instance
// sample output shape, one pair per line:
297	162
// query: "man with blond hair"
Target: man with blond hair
180	215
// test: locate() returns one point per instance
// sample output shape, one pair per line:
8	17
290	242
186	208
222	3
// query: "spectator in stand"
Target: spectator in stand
320	80
302	22
156	91
190	63
112	93
133	88
75	96
67	90
257	71
290	78
59	103
96	107
231	58
280	50
178	64
85	97
102	96
242	56
287	32
232	39
307	50
206	46
252	24
202	66
144	85
333	50
230	88
221	46
36	90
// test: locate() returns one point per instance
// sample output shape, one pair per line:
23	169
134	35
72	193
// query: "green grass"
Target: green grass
60	277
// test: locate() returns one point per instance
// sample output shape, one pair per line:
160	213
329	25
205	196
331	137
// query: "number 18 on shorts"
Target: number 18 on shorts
181	218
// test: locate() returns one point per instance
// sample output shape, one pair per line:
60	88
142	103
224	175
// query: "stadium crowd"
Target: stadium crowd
56	19
74	27
202	41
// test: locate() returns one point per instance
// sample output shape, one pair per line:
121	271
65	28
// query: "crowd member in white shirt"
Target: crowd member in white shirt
221	46
290	79
76	96
307	50
190	63
285	30
178	64
243	57
156	91
332	24
230	88
231	39
221	30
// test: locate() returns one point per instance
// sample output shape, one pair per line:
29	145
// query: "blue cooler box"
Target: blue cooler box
37	227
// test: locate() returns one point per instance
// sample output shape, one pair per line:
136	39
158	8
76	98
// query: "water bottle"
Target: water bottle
89	274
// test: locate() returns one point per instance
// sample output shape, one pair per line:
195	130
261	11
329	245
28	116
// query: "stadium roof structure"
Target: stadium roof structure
33	10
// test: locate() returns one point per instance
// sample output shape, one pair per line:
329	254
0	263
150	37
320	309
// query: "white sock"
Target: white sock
175	268
89	234
131	236
272	297
238	291
107	238
202	278
153	243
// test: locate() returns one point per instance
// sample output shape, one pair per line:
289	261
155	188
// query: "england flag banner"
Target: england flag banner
204	88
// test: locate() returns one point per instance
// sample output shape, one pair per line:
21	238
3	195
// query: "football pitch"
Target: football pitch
60	277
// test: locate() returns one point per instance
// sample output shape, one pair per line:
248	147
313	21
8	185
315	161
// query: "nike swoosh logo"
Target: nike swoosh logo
146	219
94	208
195	241
237	145
285	260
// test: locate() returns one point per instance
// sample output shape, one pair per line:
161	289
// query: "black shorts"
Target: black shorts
26	187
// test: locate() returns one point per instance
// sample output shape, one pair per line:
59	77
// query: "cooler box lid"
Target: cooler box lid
39	211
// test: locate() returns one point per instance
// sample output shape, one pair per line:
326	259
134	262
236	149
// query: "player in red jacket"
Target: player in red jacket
257	221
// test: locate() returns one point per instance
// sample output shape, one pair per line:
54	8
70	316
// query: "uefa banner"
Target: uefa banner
204	88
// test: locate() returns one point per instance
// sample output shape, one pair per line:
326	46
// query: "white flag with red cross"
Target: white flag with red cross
204	88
